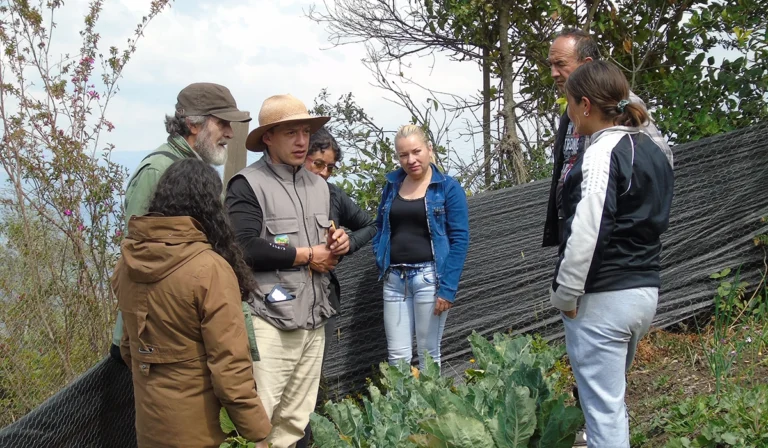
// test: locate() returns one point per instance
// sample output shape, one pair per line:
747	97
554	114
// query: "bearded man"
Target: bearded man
200	128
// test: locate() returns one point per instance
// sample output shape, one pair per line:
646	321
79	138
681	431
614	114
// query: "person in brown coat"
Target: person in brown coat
179	284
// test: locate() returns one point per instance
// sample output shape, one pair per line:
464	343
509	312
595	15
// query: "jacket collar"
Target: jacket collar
612	130
397	176
180	145
282	171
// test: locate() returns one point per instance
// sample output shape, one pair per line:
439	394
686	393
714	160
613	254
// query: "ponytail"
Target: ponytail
634	115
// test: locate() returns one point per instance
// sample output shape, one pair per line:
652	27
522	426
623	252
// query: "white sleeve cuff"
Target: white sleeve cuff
564	298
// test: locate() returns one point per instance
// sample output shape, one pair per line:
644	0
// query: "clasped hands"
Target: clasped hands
326	256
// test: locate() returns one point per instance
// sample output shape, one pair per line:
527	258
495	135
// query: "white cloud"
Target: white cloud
256	48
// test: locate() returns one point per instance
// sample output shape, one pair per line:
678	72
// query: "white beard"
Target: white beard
211	153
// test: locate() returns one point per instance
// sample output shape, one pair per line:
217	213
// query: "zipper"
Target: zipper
404	278
309	268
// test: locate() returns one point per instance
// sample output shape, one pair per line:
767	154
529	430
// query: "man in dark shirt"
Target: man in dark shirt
323	158
571	49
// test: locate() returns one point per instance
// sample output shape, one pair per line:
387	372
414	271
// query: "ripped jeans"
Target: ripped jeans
410	293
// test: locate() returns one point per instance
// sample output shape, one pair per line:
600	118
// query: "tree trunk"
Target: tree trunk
510	143
487	165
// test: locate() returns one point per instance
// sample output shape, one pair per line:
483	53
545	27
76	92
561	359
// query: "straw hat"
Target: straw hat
281	109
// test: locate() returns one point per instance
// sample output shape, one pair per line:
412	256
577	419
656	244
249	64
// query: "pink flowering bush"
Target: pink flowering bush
60	202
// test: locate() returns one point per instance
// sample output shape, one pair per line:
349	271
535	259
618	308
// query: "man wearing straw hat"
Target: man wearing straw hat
279	211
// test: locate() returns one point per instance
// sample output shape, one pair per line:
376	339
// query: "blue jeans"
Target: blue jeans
410	293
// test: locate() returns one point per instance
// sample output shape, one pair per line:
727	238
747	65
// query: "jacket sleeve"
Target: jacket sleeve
354	218
247	220
379	221
139	193
552	224
226	344
457	229
590	228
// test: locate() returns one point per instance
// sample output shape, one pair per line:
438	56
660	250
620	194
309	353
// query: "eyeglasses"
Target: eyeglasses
321	165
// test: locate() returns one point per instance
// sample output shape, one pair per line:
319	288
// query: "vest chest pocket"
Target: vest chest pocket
323	227
282	232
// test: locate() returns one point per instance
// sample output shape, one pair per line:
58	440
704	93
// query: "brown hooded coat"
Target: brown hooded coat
184	337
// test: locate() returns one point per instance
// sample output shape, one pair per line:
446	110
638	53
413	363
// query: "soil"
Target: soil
668	368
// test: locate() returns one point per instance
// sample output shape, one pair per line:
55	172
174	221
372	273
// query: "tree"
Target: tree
664	47
61	210
671	59
372	149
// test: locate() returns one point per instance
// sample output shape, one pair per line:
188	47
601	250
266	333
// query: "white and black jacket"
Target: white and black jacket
616	201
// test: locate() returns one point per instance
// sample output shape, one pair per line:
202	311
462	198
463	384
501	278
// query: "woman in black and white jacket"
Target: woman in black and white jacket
616	200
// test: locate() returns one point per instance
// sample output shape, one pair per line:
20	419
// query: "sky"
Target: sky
256	48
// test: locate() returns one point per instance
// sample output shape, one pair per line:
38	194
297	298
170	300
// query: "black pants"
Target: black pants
114	352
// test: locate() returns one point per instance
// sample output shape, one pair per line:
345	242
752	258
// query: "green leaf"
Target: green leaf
561	427
515	424
457	431
347	417
730	438
325	434
485	353
225	422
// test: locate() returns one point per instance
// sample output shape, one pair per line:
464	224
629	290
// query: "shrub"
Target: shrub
737	418
508	401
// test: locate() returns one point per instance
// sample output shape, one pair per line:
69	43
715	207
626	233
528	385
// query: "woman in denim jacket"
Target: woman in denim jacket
420	245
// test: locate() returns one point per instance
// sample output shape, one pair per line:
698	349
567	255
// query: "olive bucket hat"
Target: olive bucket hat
205	98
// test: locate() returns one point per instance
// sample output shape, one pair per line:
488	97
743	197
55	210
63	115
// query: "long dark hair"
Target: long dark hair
608	90
192	188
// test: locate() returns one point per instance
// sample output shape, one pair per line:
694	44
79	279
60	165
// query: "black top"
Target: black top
346	213
410	241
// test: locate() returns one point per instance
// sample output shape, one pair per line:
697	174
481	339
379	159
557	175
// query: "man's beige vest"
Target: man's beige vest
295	212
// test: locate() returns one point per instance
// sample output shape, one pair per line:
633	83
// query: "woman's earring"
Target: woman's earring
586	114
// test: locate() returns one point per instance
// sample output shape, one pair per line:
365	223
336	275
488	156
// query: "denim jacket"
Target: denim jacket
448	219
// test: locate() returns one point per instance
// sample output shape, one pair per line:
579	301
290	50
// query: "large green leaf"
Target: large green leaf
485	353
325	434
533	379
457	431
561	426
348	418
515	422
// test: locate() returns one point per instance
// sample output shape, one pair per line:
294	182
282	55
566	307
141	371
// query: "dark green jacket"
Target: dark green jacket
141	188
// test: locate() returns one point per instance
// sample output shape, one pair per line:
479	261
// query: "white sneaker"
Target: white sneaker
581	438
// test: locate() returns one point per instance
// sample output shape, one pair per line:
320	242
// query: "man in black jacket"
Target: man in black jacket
323	158
571	49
